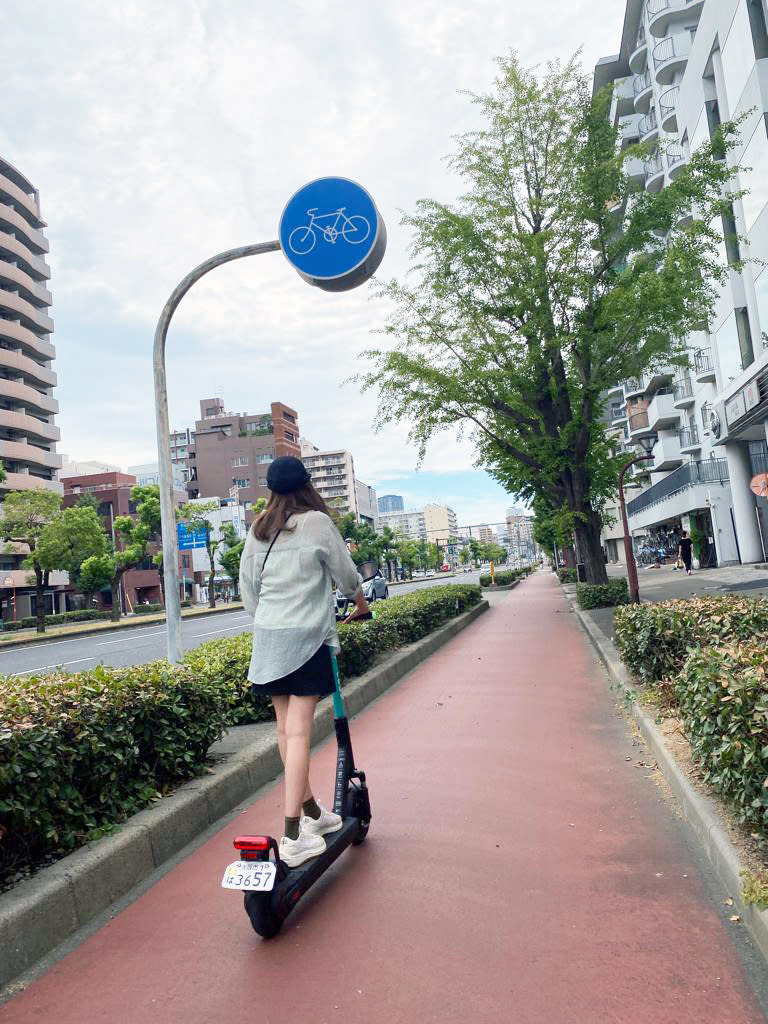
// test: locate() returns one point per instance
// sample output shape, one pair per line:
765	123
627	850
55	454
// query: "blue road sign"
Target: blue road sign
189	537
332	234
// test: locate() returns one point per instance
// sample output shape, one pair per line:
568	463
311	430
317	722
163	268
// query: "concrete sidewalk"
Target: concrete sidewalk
521	866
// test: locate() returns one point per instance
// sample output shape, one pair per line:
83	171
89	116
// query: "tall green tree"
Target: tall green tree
107	569
554	277
25	515
73	535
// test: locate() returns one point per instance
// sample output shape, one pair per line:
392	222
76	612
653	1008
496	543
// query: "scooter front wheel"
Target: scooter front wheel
258	907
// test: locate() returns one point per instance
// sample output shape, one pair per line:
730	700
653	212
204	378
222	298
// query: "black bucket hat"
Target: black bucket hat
286	474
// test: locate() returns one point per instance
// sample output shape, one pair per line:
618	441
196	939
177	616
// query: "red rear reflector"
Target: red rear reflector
252	843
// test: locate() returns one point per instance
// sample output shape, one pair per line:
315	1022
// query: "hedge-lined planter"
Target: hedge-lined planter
81	752
653	639
504	578
567	576
602	595
708	657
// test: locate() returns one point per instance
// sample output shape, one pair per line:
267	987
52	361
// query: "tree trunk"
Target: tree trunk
116	610
589	550
211	588
162	583
39	599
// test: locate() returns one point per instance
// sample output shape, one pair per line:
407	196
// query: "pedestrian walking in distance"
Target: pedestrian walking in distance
684	551
292	554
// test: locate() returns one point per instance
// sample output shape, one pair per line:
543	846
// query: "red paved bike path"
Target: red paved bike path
518	869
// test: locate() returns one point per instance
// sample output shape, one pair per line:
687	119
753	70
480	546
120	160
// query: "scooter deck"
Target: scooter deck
306	874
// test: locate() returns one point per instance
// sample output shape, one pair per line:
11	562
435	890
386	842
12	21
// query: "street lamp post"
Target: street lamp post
634	587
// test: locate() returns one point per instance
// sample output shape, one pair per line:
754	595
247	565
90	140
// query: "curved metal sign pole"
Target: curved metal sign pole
167	513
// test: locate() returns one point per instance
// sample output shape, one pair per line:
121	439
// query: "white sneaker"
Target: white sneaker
328	821
296	851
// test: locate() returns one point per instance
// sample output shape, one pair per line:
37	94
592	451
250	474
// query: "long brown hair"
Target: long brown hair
281	506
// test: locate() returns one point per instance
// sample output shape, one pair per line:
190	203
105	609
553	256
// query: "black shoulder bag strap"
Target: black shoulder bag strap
271	545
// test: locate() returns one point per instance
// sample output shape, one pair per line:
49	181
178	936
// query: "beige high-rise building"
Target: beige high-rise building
440	524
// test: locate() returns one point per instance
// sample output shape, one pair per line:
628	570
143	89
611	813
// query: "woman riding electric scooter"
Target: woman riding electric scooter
292	553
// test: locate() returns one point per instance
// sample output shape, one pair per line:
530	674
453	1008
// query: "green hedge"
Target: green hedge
399	620
147	609
81	752
602	595
567	575
84	615
722	698
654	639
504	577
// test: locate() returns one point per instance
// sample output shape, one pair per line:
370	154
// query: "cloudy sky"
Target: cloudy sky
161	133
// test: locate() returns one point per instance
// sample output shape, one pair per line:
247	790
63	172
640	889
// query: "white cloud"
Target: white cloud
159	134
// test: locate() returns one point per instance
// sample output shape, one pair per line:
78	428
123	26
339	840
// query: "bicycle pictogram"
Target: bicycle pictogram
354	229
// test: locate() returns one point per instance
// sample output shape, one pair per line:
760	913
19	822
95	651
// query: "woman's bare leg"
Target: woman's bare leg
298	734
280	704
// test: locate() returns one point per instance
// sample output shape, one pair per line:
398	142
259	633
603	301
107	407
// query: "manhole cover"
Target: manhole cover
752	585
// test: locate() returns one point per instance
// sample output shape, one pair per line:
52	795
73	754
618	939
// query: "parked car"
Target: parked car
375	589
445	567
467	568
430	572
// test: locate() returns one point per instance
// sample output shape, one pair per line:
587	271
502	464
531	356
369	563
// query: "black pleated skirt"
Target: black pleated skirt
312	679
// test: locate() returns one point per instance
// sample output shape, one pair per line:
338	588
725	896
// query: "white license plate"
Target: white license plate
251	875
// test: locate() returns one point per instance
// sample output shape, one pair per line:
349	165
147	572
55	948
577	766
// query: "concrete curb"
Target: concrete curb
701	811
39	914
108	627
498	590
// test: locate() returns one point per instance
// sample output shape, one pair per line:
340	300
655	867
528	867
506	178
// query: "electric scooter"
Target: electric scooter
272	889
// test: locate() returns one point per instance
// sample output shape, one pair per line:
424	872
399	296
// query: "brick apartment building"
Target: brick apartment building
113	493
233	450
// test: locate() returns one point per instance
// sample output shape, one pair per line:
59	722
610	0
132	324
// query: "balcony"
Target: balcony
662	12
670	56
661	377
675	159
689	438
639	426
642	87
648	125
683	393
668	109
666	452
639	56
654	174
703	366
704	473
634	386
662	413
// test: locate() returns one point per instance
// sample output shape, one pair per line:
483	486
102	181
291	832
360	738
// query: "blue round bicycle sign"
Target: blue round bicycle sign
332	234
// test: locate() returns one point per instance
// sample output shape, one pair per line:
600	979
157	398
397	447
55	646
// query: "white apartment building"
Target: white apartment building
333	474
684	67
410	523
521	545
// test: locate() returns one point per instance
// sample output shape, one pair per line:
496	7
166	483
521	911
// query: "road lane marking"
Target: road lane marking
216	631
42	668
125	639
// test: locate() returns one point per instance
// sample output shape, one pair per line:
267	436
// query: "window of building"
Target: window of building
289	417
745	338
761	293
242	482
214	411
264	457
730	236
753	176
758	28
289	436
240	460
738	56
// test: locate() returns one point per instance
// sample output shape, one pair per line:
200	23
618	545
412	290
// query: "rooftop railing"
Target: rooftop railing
705	471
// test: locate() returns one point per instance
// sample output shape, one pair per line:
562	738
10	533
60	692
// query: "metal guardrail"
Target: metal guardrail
705	471
641	83
682	388
668	101
702	361
688	436
647	122
638	420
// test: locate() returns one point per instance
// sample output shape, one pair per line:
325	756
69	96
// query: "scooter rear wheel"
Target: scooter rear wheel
258	907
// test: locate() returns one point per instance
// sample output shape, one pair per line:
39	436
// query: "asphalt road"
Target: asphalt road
136	646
